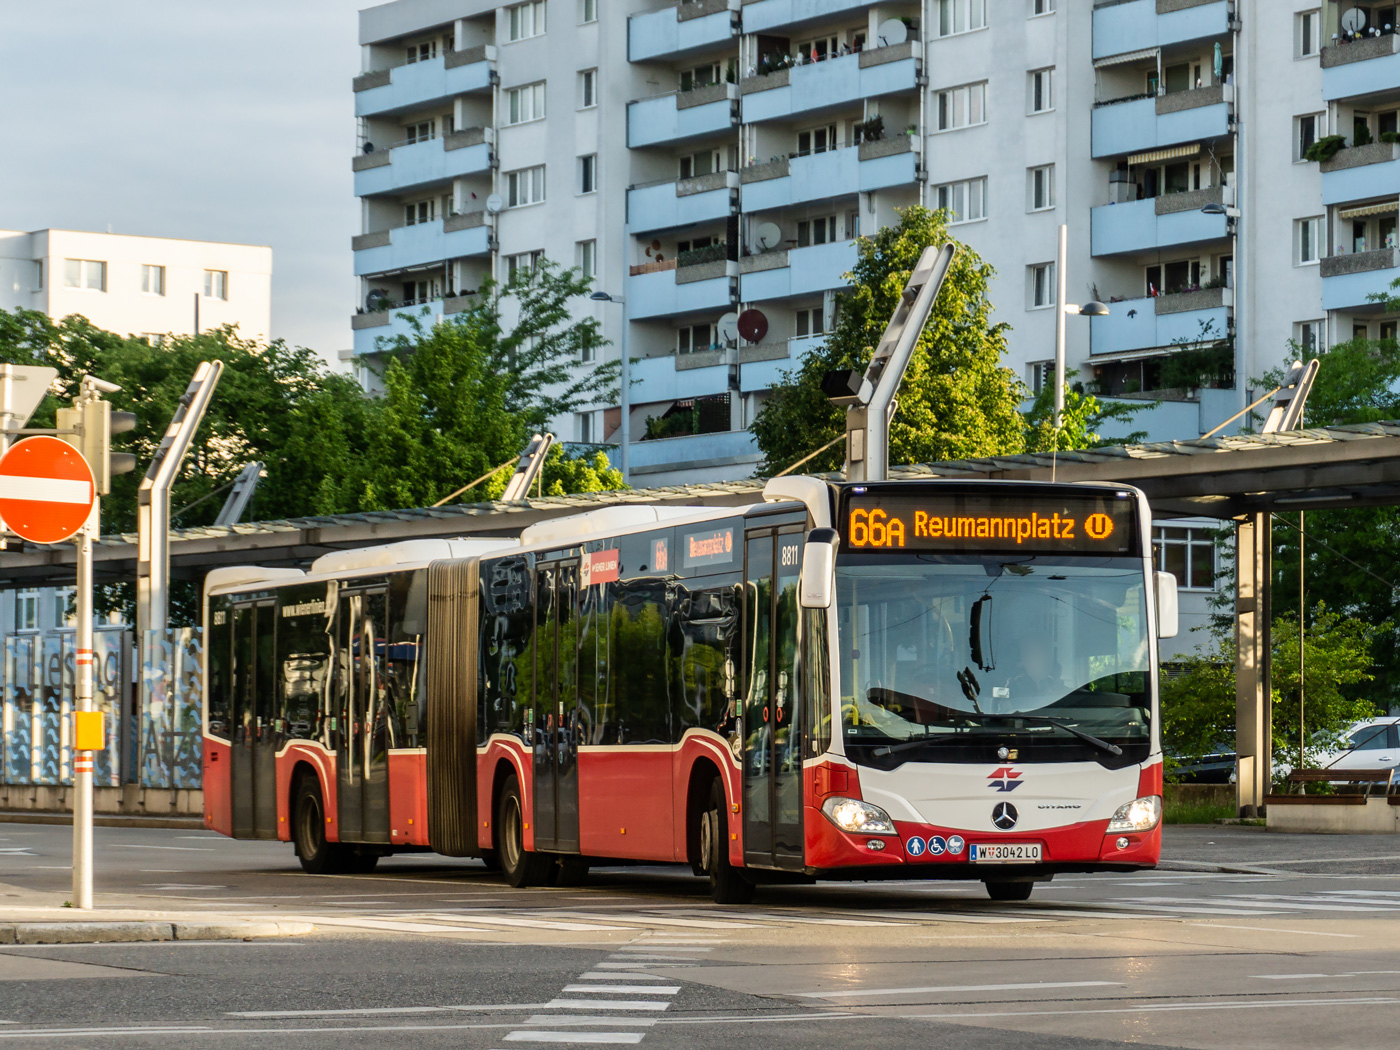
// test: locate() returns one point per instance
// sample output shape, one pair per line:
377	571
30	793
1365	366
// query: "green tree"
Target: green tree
1198	705
1082	423
957	400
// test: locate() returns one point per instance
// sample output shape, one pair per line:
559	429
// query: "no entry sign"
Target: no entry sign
46	490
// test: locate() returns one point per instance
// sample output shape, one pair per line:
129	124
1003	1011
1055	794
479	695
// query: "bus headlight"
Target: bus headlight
857	817
1141	814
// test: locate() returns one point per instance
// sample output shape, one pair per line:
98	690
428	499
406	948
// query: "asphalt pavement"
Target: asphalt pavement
1278	942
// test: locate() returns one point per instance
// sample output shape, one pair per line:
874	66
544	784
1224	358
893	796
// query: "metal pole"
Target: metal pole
82	760
1060	297
1302	738
625	431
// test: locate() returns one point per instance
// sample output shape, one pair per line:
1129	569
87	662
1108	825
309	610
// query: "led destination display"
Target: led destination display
1068	523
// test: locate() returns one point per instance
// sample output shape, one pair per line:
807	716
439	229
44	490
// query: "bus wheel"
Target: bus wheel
1009	891
727	884
317	856
520	866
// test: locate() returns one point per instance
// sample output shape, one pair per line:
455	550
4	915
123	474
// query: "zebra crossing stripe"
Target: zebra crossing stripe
631	989
613	1038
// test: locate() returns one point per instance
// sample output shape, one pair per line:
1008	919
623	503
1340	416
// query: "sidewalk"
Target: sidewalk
1195	847
48	925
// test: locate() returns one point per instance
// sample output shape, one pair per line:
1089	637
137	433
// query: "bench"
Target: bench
1372	778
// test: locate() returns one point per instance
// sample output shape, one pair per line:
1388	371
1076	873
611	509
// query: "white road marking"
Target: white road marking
1328	976
1270	929
619	975
664	947
605	1004
507	920
182	849
654	958
590	1019
371	1010
1163	1008
630	989
946	989
574	1037
650	965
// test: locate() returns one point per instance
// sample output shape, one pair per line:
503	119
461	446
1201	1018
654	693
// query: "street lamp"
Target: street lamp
625	430
1093	308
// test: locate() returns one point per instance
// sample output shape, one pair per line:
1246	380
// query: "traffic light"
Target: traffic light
90	424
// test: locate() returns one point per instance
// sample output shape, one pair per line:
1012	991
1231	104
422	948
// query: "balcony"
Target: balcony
1172	220
672	377
386	324
1143	124
834	173
735	449
1143	24
663	290
763	16
456	237
1347	280
1361	172
433	80
681	116
842	81
1160	321
406	167
1362	68
682	202
796	271
687	28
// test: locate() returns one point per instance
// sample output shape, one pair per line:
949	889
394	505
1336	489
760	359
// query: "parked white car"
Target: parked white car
1372	744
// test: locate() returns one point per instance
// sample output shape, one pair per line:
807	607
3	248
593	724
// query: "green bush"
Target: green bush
1325	148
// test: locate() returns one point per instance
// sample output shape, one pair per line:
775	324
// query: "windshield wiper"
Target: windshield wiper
1088	738
889	749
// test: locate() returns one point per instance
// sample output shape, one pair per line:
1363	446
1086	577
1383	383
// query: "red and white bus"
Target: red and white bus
935	679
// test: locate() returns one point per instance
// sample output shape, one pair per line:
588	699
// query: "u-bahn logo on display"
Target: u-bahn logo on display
1005	779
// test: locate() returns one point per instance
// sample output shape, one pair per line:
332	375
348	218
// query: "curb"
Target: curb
104	820
1217	869
128	932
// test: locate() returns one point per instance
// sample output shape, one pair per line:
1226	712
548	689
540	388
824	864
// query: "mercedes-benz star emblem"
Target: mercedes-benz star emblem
1004	816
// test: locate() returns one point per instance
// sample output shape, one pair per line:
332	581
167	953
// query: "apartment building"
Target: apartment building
141	286
710	158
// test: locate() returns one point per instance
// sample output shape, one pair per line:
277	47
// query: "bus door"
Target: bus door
557	728
772	701
254	750
362	759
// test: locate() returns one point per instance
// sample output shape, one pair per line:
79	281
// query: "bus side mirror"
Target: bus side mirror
817	586
1167	624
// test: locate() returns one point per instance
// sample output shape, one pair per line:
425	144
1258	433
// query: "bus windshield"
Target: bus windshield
947	658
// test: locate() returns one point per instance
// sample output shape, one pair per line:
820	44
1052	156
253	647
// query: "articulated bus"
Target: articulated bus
943	680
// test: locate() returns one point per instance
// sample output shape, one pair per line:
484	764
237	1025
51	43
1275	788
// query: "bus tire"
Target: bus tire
727	883
521	867
317	856
1009	891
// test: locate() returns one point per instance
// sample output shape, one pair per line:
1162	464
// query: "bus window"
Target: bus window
408	616
507	628
706	626
220	638
304	652
638	622
817	676
595	706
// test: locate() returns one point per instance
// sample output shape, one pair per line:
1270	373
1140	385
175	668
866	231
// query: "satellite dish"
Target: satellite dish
728	328
769	235
753	325
892	31
376	300
494	203
1354	20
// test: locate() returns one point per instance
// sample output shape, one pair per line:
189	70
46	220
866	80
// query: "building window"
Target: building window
964	201
525	103
216	284
416	212
85	273
1040	374
421	52
587	89
65	607
585	428
961	16
962	106
816	231
27	610
811	321
697	338
153	279
527	261
1188	554
1040	188
526	20
1308	237
153	338
1042	7
588	173
1309	128
817	140
586	256
1308	335
1040	91
587	11
1040	280
1307	33
705	162
525	187
419	131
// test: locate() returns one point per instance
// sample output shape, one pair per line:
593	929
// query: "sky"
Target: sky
217	122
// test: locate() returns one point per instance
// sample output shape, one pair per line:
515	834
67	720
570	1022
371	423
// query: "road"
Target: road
432	952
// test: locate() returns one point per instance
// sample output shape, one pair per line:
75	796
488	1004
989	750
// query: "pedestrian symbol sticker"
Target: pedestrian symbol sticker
915	846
